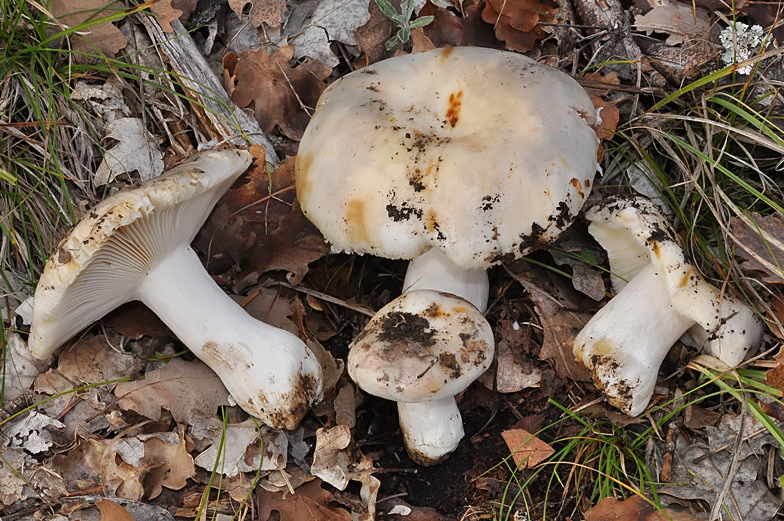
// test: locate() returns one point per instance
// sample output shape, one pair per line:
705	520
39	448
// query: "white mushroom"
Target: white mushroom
135	246
474	155
421	350
627	340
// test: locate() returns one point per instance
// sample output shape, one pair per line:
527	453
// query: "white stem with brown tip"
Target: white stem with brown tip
269	372
624	344
431	429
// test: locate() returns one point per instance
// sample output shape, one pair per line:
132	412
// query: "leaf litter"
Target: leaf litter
281	88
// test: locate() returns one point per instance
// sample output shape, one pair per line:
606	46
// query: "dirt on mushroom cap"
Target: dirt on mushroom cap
460	149
423	346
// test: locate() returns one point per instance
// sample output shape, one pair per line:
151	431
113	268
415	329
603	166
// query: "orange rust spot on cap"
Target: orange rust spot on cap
430	223
576	183
303	164
355	222
446	51
453	112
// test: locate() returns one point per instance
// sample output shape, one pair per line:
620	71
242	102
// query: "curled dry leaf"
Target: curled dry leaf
242	449
190	390
261	11
284	238
680	21
104	36
561	324
167	13
511	376
93	360
516	21
136	151
329	21
111	511
450	30
281	95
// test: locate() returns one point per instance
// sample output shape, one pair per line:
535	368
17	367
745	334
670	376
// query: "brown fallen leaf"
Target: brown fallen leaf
111	511
760	243
775	377
372	36
135	320
635	508
169	464
528	451
555	304
261	11
167	13
679	20
284	238
190	390
449	30
310	502
104	36
516	21
281	95
93	360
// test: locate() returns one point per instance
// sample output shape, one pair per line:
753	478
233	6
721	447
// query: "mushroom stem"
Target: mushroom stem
627	340
286	376
433	270
431	429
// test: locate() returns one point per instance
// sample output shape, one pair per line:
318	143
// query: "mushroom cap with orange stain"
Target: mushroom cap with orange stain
484	154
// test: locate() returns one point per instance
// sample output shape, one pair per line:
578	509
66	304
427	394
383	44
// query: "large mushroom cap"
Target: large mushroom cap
484	154
422	346
98	266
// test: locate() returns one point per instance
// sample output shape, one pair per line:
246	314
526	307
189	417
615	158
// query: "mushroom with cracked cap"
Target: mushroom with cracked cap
659	296
135	245
459	158
420	350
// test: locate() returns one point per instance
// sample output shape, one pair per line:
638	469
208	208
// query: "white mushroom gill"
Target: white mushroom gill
134	245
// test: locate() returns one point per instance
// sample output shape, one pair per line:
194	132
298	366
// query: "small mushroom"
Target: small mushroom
467	155
624	344
421	350
135	245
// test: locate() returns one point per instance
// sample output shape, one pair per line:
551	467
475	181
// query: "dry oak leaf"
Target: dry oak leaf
680	21
261	11
167	13
284	238
93	360
104	36
449	30
372	36
635	508
190	390
310	502
516	21
558	318
527	450
276	89
775	377
111	511
760	243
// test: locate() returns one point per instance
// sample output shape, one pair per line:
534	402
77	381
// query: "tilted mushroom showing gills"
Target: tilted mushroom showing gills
627	340
475	155
420	350
135	245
